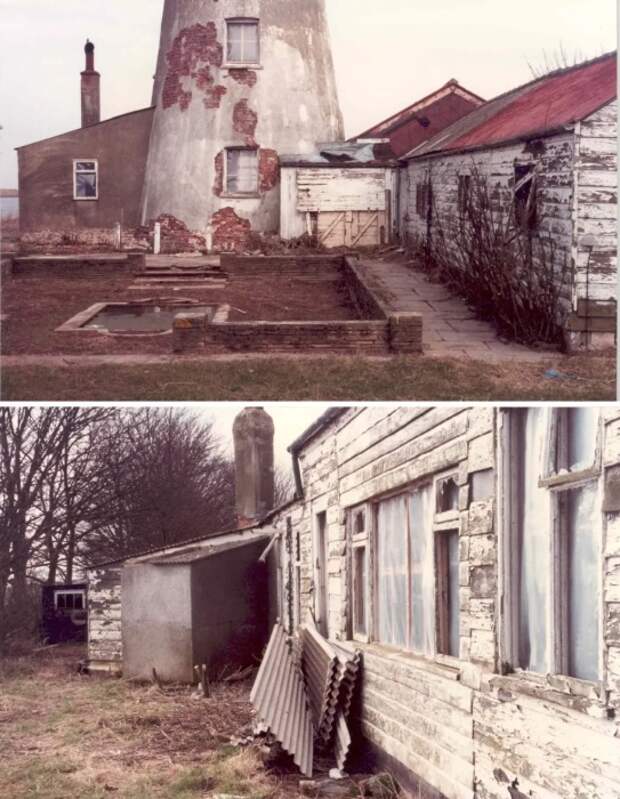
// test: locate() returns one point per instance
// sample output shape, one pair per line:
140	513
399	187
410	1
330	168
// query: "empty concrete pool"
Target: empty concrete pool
135	318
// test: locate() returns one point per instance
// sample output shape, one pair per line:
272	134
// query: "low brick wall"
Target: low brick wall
369	337
368	305
379	332
78	266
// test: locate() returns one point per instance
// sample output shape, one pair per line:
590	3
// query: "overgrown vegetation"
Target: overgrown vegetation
63	734
495	256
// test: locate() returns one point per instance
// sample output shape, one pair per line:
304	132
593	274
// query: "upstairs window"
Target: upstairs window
85	180
241	171
242	41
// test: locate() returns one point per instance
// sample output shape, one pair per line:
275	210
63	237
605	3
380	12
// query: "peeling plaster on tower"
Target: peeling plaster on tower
285	103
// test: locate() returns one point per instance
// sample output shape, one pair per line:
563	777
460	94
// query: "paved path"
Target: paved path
451	329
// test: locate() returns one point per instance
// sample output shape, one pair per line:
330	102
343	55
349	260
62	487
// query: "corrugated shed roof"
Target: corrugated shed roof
344	154
279	698
542	106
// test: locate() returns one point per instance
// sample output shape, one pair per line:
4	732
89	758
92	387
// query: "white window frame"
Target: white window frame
441	523
70	593
77	161
241	194
249	22
360	540
556	484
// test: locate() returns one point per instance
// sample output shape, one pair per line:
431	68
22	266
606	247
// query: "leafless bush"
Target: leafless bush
494	256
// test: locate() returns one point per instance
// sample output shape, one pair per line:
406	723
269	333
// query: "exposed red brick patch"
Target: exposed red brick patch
218	180
230	232
247	77
268	169
193	52
245	121
176	236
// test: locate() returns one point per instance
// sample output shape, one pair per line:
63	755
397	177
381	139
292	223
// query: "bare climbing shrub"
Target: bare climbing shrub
495	256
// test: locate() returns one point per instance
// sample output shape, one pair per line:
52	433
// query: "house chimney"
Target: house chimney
254	472
91	101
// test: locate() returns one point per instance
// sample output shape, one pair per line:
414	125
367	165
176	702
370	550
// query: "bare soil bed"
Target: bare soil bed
36	307
65	734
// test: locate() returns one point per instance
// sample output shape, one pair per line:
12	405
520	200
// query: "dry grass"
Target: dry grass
347	379
63	734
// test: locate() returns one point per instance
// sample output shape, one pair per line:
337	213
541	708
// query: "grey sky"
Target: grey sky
290	421
387	54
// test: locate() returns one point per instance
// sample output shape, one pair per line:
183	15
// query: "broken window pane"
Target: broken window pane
392	572
533	544
359	522
241	171
242	45
360	583
582	431
525	195
583	583
422	571
447	495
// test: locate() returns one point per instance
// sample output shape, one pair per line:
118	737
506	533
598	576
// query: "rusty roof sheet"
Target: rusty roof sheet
279	698
550	103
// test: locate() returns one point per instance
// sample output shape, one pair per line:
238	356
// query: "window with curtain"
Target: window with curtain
555	536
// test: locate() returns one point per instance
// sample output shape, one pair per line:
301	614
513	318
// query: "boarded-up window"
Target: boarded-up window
242	45
241	171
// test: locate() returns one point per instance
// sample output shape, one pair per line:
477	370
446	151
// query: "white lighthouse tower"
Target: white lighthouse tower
238	82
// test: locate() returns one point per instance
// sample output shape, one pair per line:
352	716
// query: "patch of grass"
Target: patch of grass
582	378
241	774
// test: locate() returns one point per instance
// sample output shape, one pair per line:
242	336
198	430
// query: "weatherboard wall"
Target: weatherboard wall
458	726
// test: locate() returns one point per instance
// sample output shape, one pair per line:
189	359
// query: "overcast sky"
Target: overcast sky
290	421
388	54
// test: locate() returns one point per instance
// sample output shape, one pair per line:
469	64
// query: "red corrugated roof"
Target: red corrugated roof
552	102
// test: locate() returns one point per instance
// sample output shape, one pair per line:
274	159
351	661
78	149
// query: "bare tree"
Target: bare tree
33	446
165	480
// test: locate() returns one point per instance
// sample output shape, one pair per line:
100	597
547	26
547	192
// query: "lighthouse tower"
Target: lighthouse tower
238	83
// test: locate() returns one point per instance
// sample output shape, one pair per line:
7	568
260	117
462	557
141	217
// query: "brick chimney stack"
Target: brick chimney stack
253	433
91	100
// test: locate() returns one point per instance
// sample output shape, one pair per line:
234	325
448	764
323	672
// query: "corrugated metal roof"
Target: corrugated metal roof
547	104
279	698
375	152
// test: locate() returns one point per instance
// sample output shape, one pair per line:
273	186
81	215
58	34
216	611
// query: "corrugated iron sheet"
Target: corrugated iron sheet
303	693
547	104
279	698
